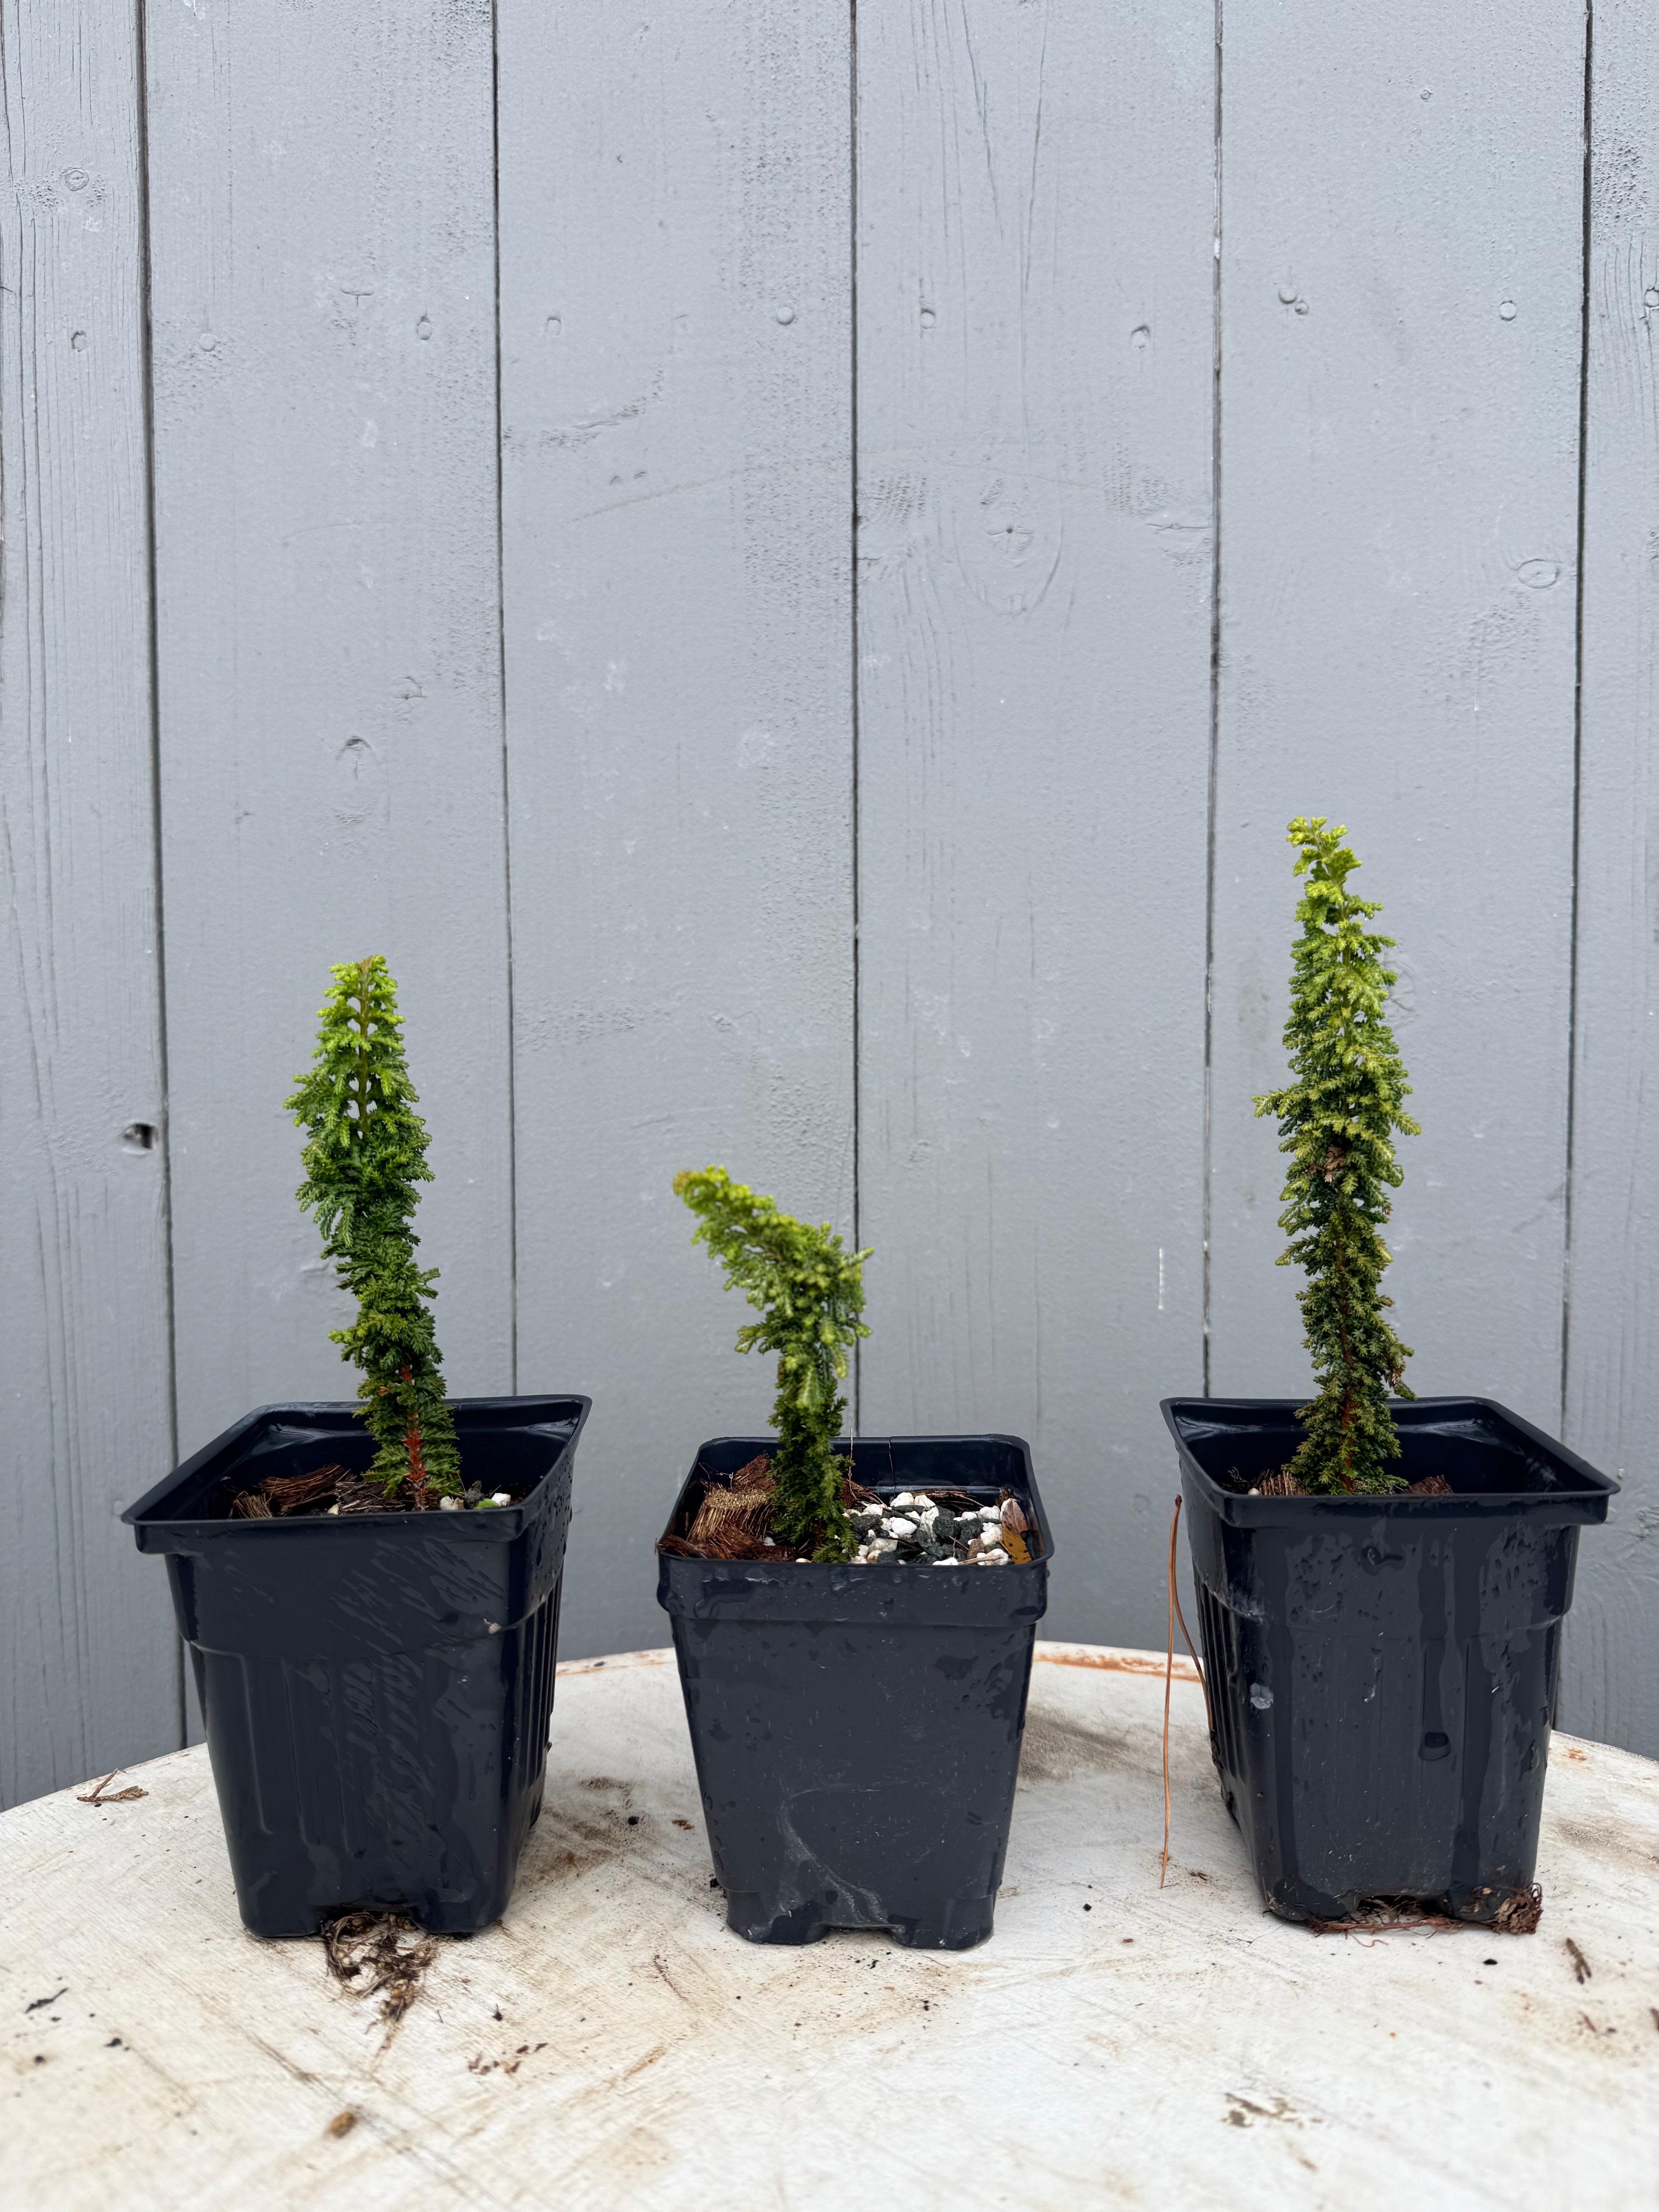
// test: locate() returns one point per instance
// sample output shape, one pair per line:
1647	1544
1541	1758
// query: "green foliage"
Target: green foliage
364	1160
1337	1119
809	1294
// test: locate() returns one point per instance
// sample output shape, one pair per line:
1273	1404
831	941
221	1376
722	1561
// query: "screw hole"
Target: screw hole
139	1137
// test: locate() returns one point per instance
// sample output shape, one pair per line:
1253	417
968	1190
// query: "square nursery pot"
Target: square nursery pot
857	1728
1382	1670
376	1688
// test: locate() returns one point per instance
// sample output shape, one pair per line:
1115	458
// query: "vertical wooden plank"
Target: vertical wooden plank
1611	1688
323	310
677	473
88	1658
1036	204
1400	324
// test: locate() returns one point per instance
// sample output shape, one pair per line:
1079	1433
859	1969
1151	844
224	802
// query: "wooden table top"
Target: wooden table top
610	2044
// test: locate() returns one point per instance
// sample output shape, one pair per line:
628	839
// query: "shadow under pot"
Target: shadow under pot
376	1688
857	1728
1382	1669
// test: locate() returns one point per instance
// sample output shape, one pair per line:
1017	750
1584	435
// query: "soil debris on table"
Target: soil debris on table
368	1952
1518	1915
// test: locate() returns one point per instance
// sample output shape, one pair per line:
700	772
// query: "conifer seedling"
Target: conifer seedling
1337	1118
365	1159
809	1292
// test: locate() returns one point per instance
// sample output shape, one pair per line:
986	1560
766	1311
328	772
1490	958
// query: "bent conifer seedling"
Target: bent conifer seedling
804	1600
809	1292
1338	1117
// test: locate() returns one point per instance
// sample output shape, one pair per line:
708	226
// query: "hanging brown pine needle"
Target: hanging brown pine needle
1176	1615
1168	1677
1174	1592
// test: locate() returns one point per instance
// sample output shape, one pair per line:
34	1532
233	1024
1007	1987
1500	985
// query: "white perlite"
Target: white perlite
913	1529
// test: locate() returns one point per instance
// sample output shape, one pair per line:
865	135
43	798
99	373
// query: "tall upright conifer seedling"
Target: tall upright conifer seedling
364	1159
1337	1119
809	1292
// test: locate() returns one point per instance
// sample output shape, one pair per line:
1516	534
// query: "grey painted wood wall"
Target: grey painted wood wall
787	565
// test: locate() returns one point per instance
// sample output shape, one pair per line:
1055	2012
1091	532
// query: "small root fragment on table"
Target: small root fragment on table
369	1952
102	1793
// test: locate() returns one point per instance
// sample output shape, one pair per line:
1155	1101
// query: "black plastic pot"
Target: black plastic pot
857	1728
1382	1670
376	1688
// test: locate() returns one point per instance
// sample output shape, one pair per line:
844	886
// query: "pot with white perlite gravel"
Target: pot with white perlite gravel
853	1621
857	1727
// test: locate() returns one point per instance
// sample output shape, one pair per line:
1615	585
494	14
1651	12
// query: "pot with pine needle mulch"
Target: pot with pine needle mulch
370	1592
1382	1579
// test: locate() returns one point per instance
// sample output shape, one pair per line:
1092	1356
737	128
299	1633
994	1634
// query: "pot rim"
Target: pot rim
501	1521
857	1571
1585	1497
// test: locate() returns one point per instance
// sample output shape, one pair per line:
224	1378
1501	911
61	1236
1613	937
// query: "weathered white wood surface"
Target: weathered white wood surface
1613	1332
323	298
677	467
88	1659
1035	283
612	2044
1401	316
